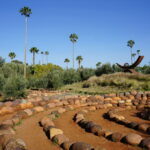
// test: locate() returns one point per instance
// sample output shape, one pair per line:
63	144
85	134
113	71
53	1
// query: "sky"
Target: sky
103	28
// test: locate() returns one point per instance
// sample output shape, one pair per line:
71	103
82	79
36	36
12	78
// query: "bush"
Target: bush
15	87
104	69
86	73
70	76
54	79
2	82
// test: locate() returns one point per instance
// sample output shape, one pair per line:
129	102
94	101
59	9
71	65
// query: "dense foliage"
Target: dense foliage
13	85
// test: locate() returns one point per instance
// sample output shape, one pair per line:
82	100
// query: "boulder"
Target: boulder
54	131
95	129
116	137
59	139
46	122
145	143
133	125
143	127
81	146
66	145
133	139
38	109
15	144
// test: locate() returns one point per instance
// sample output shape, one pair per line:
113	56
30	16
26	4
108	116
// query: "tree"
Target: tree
138	52
73	38
79	59
25	11
34	50
133	55
67	61
131	43
12	55
42	53
47	53
98	64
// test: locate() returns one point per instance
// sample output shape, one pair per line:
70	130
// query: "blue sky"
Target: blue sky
103	27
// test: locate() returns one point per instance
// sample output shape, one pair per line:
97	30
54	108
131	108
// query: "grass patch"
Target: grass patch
111	83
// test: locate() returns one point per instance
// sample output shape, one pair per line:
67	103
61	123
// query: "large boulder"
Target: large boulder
59	139
133	139
81	146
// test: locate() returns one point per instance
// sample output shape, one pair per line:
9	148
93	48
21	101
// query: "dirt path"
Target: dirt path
75	133
33	134
36	139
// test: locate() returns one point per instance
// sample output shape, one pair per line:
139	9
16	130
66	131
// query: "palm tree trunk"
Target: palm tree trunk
26	42
131	56
73	56
47	58
67	66
33	58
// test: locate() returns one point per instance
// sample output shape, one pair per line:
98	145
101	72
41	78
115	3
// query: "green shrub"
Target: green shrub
71	76
104	69
86	73
2	82
15	87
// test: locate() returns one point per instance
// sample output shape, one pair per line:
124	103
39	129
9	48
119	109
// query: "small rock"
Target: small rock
116	137
54	131
146	143
66	145
133	139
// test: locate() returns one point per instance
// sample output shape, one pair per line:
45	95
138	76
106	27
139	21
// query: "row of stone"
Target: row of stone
57	136
122	100
113	116
90	126
145	114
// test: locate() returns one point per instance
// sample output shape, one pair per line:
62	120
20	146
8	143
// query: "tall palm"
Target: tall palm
138	52
131	43
12	55
67	61
98	64
47	53
79	59
73	38
34	50
133	55
25	11
42	53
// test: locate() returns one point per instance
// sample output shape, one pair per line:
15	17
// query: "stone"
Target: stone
54	131
15	144
51	105
46	121
148	130
116	137
29	112
22	115
145	143
26	105
4	139
66	145
89	125
61	110
95	129
6	110
133	139
80	146
59	139
107	133
133	125
38	109
143	127
15	120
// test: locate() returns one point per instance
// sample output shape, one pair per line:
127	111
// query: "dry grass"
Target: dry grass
111	83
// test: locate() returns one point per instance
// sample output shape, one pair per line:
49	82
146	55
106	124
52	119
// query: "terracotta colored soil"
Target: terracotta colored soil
36	139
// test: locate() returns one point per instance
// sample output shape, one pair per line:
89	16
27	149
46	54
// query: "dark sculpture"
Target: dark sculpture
131	68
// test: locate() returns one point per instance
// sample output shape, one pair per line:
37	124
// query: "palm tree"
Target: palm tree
12	55
79	59
131	43
73	38
133	55
34	50
67	61
42	53
47	53
98	64
25	11
138	52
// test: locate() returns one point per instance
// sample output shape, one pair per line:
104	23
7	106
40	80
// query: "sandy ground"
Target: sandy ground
35	138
